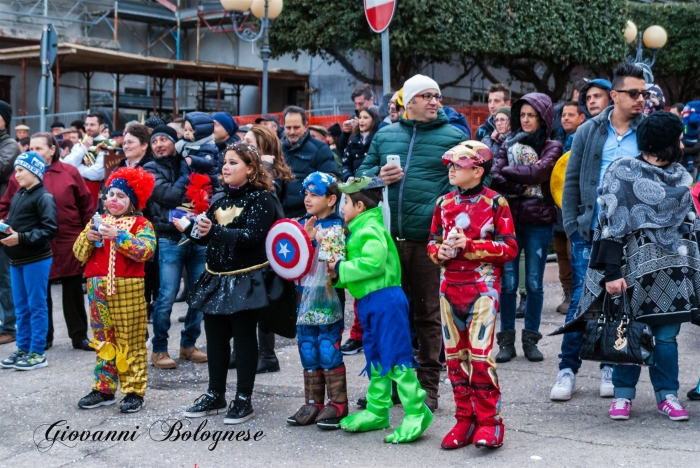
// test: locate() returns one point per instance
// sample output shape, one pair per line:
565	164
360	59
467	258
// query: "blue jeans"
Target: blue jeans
29	286
534	240
663	376
7	306
171	260
571	343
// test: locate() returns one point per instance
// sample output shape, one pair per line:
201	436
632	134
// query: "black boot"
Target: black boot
506	343
267	360
530	339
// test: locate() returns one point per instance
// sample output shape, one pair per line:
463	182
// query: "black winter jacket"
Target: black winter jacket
307	155
172	176
34	218
354	153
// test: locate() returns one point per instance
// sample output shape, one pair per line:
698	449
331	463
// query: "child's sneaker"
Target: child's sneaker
620	409
11	361
673	408
132	403
95	399
31	361
210	402
240	410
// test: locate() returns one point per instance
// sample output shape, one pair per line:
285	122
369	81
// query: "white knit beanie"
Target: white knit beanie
417	84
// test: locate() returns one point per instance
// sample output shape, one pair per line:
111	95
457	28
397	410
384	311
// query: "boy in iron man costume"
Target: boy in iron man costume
471	238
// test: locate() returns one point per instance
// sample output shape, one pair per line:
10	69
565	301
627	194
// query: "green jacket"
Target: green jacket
373	262
420	146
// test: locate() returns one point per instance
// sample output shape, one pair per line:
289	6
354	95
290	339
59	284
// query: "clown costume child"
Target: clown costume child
114	258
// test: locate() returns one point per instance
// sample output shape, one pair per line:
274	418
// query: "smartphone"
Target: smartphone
394	159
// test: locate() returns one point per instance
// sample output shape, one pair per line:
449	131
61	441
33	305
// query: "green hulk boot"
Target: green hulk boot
376	416
418	417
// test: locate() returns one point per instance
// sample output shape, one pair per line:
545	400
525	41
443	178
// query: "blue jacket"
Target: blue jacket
305	156
203	152
458	120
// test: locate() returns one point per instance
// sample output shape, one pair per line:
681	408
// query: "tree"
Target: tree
677	68
537	41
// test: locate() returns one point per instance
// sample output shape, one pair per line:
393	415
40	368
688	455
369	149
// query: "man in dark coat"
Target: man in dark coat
172	176
499	96
304	154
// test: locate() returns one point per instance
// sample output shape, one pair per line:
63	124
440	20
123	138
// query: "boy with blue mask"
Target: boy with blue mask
319	329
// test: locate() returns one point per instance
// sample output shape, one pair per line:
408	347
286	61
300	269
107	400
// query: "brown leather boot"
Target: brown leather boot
192	354
163	361
314	391
337	406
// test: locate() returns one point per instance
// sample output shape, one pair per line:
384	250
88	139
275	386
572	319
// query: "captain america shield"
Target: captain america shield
289	249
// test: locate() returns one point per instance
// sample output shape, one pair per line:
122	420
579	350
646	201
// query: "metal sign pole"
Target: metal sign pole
386	62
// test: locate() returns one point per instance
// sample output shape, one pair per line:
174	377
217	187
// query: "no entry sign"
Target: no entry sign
379	13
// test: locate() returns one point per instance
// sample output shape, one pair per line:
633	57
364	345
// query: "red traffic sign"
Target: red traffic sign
379	13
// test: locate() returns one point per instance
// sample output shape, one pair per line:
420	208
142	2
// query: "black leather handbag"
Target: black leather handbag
617	338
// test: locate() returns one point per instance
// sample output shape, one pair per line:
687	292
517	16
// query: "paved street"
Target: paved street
538	431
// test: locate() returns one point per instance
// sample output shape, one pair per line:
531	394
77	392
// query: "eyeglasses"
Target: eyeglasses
393	104
635	93
500	120
528	116
429	97
458	167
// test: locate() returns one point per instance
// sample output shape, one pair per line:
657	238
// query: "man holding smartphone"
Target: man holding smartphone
423	135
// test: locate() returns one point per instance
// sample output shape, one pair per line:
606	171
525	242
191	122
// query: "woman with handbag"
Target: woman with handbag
646	245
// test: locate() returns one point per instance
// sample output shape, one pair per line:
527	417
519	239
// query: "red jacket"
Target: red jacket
74	206
486	220
134	248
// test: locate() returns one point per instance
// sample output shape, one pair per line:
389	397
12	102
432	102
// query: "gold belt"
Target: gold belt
236	272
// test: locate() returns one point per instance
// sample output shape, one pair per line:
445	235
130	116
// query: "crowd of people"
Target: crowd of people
433	233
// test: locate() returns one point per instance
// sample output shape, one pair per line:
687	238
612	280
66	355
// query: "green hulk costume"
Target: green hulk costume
372	274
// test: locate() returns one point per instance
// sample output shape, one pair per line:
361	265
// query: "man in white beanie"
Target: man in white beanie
420	138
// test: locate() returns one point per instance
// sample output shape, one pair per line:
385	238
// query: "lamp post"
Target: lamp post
265	10
654	38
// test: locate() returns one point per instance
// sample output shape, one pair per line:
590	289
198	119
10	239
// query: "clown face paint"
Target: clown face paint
117	202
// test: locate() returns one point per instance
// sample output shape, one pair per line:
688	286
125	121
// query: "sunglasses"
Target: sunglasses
635	93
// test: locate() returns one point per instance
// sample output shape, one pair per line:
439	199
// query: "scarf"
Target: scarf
536	139
499	138
637	195
184	147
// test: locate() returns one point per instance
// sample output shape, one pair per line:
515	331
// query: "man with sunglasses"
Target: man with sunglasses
421	137
610	135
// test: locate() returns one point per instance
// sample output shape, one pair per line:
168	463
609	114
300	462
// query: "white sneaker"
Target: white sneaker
564	386
607	389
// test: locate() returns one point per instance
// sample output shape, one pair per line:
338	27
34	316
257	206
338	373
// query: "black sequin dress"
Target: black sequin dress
235	277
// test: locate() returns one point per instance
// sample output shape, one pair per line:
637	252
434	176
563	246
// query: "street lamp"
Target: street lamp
654	38
264	10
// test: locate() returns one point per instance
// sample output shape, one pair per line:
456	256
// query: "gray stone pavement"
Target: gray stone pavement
538	432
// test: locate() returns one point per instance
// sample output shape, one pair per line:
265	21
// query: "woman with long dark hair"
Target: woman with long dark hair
75	208
359	140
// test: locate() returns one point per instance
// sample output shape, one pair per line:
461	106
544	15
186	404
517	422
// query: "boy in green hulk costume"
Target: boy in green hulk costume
372	273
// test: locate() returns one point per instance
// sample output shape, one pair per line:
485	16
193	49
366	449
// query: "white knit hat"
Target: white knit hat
416	84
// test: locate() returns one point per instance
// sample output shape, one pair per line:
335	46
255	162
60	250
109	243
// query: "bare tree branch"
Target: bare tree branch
350	68
467	68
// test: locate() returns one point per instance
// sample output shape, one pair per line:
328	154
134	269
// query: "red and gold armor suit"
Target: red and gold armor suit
469	291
